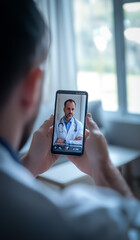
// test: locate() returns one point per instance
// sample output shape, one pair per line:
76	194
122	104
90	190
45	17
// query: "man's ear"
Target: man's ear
31	88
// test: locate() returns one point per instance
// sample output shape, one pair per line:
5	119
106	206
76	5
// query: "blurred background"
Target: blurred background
95	47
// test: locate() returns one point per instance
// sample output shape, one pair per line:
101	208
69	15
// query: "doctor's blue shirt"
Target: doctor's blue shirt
67	124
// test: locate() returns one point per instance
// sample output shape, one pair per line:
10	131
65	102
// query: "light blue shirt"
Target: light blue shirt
67	124
77	212
6	145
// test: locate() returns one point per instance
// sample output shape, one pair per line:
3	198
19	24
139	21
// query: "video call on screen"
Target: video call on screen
69	123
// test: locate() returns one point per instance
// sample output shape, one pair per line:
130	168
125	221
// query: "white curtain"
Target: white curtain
61	64
60	68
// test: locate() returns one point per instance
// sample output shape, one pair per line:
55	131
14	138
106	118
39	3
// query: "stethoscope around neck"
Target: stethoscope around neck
61	125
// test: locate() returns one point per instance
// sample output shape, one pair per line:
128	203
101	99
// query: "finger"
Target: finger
51	130
49	122
86	133
78	138
90	123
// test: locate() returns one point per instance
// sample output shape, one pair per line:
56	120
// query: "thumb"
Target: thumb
90	123
48	123
86	133
51	130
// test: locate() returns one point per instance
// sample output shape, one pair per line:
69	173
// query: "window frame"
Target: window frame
120	63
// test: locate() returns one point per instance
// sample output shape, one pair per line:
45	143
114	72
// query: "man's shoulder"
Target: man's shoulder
11	169
18	183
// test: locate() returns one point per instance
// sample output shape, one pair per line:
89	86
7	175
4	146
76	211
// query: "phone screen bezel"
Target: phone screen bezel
72	93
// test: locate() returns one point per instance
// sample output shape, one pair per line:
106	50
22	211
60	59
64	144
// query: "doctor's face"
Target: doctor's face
69	110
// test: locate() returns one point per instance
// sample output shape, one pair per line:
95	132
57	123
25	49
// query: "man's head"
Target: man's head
24	47
69	109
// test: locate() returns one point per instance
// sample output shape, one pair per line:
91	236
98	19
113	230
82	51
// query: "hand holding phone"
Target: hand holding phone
69	122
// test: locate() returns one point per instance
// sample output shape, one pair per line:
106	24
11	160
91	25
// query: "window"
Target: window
108	52
132	55
93	22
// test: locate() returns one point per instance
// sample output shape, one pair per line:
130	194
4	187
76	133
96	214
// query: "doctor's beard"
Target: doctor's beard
69	116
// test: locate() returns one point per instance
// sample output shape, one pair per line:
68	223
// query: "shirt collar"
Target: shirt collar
8	147
69	121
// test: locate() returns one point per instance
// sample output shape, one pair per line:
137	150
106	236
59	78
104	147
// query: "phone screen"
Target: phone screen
69	122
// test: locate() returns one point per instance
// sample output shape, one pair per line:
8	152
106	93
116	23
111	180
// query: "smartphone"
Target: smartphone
69	122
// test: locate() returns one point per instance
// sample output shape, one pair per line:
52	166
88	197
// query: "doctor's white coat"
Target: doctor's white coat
61	131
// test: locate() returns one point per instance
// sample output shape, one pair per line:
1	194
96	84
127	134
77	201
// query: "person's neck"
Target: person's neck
10	129
67	119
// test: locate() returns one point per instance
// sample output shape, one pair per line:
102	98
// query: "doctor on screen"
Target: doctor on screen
68	130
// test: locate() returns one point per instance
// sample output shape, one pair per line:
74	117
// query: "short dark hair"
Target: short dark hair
69	100
24	42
